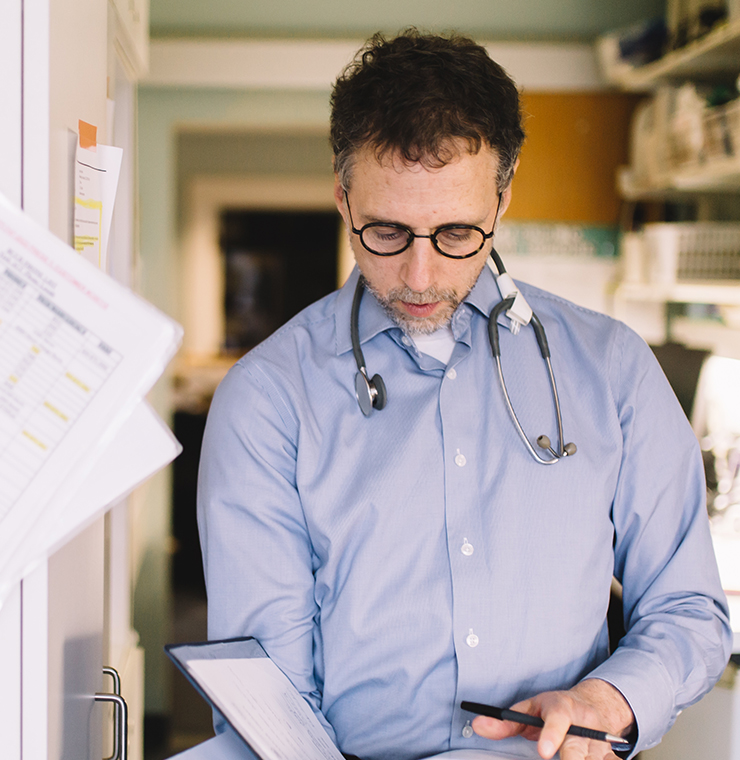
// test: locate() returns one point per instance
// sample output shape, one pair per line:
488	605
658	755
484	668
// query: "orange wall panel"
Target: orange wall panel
574	144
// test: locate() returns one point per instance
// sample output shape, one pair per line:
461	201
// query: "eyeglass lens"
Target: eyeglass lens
454	241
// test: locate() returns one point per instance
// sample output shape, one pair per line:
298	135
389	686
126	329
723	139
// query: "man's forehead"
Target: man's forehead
387	157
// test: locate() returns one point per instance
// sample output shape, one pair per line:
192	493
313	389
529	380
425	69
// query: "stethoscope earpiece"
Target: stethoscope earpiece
568	450
543	441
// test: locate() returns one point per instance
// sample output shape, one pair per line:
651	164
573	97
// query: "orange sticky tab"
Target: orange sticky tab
88	135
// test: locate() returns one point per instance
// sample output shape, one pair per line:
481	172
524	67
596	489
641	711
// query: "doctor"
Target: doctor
368	508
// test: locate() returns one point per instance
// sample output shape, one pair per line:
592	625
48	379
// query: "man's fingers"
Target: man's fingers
557	723
491	728
574	748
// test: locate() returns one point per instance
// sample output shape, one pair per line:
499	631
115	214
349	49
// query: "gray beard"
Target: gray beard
418	325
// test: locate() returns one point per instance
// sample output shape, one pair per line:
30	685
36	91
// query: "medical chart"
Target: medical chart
261	703
142	447
78	351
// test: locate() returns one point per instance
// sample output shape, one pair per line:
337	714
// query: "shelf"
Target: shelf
714	56
724	294
712	336
718	176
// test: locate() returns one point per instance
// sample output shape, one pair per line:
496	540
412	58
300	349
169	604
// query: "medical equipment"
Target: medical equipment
371	392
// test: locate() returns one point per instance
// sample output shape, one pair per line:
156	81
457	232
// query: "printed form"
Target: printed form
78	351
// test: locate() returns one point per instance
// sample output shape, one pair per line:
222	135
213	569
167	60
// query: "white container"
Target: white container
692	252
633	258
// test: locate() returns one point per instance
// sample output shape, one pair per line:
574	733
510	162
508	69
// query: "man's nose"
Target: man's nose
418	272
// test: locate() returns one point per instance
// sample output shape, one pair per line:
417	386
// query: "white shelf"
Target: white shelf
720	293
714	56
712	336
718	176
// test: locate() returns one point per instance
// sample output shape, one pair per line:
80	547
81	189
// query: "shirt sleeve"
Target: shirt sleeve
257	555
678	634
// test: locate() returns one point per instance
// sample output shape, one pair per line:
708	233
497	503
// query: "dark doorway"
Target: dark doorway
277	263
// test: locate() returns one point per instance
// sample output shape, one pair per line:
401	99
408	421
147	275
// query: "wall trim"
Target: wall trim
202	270
315	64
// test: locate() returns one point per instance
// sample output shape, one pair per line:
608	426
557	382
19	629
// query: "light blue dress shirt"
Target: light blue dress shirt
395	565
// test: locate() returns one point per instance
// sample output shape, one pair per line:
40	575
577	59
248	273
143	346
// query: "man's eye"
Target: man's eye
388	234
455	236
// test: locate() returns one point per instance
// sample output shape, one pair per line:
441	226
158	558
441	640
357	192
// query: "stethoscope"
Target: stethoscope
371	393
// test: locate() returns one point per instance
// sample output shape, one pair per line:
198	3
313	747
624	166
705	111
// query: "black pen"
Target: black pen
500	713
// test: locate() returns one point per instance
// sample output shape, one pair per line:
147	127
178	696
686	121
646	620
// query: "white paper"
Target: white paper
96	181
262	704
88	216
143	446
78	351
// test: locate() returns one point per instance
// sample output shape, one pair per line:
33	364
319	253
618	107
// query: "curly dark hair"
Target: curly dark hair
415	93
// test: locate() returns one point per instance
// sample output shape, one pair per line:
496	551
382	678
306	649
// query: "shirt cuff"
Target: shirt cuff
647	689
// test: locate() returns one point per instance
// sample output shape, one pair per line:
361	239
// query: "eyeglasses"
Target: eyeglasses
456	241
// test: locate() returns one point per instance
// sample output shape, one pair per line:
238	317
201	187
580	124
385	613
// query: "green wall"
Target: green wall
491	19
165	113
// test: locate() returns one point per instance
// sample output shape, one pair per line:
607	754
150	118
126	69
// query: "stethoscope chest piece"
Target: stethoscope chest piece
370	393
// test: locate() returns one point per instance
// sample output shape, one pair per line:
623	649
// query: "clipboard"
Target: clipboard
258	701
263	708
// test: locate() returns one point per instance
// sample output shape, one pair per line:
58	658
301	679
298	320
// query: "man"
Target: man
400	554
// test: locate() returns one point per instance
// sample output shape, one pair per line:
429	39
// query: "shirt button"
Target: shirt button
467	731
451	373
460	460
471	639
406	340
467	549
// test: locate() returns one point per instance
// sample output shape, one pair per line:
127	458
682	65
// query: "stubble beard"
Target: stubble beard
448	301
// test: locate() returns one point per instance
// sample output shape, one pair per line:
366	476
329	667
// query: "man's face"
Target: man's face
419	287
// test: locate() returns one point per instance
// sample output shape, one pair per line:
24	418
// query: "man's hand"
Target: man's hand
591	703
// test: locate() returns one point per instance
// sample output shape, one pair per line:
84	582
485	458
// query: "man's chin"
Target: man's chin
413	325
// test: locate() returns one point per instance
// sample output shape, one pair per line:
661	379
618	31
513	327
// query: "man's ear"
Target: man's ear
506	195
339	197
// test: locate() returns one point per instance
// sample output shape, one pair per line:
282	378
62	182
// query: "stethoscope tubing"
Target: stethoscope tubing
539	331
371	392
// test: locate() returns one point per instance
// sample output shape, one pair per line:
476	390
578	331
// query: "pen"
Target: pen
532	720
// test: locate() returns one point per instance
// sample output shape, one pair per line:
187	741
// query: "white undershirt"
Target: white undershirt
440	344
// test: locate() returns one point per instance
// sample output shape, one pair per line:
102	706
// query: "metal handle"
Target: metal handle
120	726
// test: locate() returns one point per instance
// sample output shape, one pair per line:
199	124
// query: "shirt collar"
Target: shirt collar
374	320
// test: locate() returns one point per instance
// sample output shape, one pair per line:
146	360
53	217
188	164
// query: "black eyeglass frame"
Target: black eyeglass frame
412	235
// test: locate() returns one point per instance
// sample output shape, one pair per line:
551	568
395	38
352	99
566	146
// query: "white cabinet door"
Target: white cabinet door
74	609
64	78
10	186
